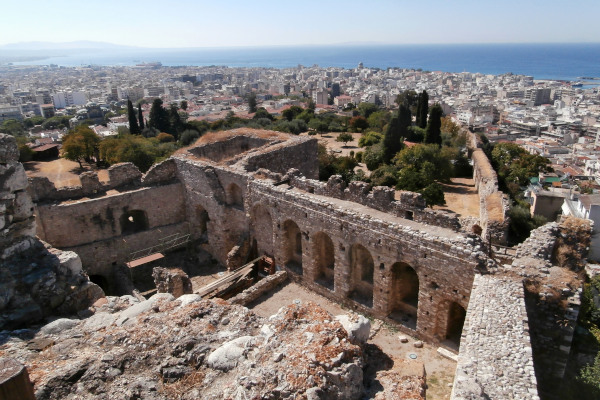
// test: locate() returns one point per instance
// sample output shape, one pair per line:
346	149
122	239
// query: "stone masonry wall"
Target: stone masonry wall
493	204
121	176
410	205
94	227
444	261
495	359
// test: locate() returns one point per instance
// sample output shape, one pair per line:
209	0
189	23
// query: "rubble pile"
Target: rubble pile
188	348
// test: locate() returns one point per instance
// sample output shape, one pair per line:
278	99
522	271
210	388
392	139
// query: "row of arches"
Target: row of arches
402	284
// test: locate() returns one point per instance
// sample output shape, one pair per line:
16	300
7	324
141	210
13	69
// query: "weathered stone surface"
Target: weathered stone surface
9	152
227	356
495	351
172	350
59	326
164	172
173	281
357	326
129	314
124	174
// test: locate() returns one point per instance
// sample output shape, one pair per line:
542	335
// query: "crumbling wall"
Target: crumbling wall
35	280
493	204
297	152
443	260
95	228
495	359
123	176
410	205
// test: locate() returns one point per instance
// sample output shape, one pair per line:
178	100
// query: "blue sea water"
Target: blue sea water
542	61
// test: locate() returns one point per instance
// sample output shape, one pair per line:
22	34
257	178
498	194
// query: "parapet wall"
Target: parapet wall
493	204
122	176
495	359
410	205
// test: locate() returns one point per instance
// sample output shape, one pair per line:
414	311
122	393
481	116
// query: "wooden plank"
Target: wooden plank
145	260
14	381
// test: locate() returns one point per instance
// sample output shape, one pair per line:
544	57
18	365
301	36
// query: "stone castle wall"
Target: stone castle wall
493	204
495	359
410	205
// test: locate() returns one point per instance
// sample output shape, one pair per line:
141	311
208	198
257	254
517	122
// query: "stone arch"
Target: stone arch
262	230
362	268
454	323
324	258
292	246
202	219
450	321
133	221
404	293
235	196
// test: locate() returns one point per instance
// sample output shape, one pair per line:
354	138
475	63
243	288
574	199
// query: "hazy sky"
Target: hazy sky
189	23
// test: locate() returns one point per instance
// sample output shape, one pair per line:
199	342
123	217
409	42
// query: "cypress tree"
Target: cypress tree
159	117
422	109
433	132
134	129
141	117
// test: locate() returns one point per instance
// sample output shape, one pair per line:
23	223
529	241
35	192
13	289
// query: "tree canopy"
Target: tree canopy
80	144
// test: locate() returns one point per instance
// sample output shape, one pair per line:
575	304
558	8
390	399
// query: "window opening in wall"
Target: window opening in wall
235	197
133	221
454	326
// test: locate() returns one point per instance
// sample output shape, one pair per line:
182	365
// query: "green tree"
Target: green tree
379	119
159	117
369	139
318	125
184	105
80	144
12	127
175	123
409	98
134	129
263	113
358	124
422	109
366	109
344	137
140	118
188	136
291	113
373	156
252	102
433	133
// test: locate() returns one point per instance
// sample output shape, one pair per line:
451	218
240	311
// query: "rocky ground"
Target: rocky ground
187	348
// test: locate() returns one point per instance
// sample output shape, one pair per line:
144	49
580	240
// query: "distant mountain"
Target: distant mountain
80	44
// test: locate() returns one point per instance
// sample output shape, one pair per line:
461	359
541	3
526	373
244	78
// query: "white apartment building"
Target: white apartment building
69	98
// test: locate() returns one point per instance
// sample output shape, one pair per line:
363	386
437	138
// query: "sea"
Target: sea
568	62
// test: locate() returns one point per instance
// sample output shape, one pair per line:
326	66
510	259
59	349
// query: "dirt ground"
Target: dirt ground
439	370
461	198
62	172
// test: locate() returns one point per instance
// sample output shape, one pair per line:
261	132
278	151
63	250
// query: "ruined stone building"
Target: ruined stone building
245	193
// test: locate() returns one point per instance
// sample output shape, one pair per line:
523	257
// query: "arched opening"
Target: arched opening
324	254
404	294
262	230
202	221
361	275
292	246
133	221
235	197
454	325
102	282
